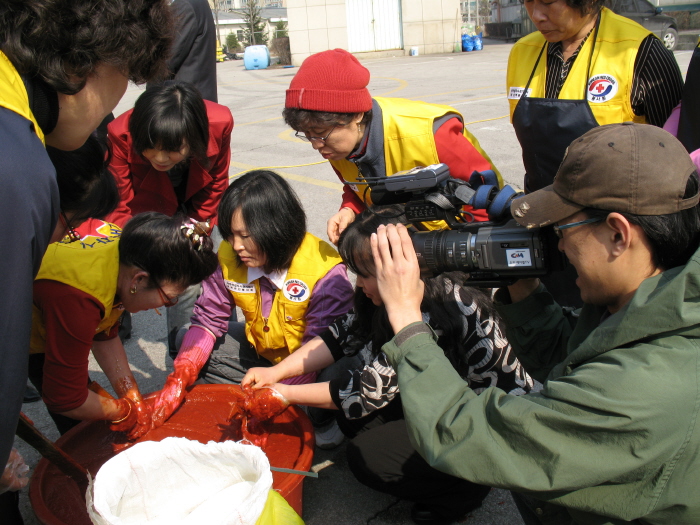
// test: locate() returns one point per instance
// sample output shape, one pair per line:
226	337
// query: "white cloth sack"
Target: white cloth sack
179	481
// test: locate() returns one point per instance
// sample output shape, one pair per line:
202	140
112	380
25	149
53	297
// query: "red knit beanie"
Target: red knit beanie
333	81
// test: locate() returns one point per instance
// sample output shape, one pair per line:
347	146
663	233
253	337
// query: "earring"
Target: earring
133	289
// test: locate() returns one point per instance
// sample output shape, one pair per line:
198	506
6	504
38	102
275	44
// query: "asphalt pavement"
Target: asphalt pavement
474	84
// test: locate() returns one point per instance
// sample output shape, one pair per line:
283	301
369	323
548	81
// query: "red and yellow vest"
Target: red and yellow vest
13	94
90	265
409	140
609	86
281	334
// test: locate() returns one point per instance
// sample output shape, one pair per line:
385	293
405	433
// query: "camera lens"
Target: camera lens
445	251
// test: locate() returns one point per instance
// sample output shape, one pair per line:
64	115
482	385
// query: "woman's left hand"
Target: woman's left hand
134	418
398	275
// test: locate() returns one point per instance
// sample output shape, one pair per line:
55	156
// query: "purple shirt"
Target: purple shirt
330	298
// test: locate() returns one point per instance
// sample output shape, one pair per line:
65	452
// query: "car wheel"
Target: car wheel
670	38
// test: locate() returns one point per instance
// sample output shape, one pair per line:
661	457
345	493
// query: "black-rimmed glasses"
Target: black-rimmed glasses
303	136
167	301
558	229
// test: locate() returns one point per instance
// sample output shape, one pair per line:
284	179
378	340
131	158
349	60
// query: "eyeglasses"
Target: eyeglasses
558	229
303	136
70	231
167	301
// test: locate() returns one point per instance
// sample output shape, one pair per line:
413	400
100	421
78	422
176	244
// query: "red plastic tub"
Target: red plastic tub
203	416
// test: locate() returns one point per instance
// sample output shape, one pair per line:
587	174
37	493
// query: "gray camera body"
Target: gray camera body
494	253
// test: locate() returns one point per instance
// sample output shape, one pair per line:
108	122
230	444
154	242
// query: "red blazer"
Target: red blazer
143	188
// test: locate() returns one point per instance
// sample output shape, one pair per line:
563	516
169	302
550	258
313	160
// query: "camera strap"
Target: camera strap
500	206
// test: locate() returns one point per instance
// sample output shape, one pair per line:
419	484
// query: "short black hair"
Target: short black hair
168	114
157	244
86	187
63	41
353	244
371	322
272	213
305	119
674	237
586	7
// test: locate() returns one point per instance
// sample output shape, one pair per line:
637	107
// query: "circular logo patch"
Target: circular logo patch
295	290
601	88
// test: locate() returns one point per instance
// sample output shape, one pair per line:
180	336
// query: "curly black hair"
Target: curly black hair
63	41
585	7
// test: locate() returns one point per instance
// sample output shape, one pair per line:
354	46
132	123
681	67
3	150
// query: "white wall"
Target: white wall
433	26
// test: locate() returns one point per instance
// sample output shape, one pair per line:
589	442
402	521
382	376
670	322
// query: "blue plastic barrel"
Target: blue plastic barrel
478	42
256	57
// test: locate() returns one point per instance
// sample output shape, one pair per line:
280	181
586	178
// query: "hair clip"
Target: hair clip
196	232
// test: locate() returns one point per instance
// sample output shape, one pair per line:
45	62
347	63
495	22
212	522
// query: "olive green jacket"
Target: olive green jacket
613	436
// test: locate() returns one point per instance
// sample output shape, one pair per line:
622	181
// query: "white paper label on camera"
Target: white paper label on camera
519	257
239	287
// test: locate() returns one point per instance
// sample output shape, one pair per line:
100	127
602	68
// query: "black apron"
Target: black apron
689	121
546	126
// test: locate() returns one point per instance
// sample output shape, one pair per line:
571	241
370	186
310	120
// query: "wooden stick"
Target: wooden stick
66	464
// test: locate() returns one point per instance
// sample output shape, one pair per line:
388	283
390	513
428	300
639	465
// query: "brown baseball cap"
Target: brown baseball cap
629	168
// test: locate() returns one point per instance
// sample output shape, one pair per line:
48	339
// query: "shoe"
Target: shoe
329	437
426	515
31	395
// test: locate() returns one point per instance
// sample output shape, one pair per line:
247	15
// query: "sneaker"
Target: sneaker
329	437
31	395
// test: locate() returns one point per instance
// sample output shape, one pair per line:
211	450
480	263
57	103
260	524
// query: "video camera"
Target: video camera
494	253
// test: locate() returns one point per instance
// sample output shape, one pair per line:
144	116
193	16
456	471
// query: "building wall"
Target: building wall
431	26
315	25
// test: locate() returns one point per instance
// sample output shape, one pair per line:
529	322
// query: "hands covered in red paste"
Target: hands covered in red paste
264	403
254	408
165	401
134	418
15	476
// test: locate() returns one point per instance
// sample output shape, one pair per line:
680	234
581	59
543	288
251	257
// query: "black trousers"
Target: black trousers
9	509
381	457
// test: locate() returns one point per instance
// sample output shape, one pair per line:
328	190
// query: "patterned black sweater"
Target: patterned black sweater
485	358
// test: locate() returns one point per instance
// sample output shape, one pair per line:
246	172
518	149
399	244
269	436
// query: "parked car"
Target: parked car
650	16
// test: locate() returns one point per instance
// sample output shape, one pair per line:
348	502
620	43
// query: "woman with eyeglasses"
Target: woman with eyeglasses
329	105
289	284
88	277
171	153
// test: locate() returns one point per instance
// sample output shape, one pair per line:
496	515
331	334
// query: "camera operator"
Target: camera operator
612	436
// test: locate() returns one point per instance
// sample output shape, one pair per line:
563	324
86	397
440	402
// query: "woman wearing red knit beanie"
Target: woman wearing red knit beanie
329	105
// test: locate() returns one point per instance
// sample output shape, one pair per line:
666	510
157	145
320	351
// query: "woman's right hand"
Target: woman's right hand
338	223
523	288
15	476
260	377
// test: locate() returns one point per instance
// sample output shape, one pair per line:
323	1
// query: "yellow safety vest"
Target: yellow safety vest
281	334
609	86
90	265
409	141
13	94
